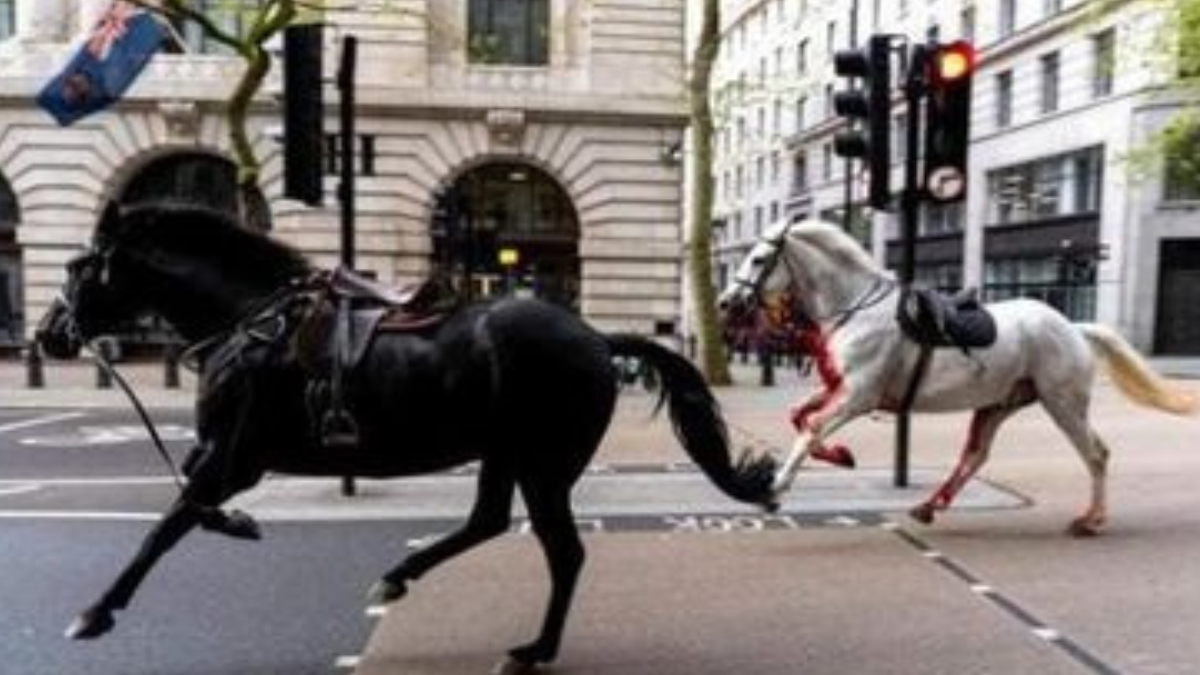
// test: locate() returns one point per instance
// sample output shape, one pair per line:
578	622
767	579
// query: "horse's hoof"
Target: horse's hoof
241	525
771	505
922	514
512	666
384	592
92	623
236	524
1082	528
837	455
530	655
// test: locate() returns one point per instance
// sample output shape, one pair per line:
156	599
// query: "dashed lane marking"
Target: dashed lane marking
41	420
993	596
18	489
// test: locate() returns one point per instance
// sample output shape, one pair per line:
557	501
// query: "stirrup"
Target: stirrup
339	430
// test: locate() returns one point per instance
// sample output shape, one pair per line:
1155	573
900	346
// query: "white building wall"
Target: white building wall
1132	217
598	119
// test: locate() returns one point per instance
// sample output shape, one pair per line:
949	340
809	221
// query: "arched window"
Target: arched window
509	32
192	178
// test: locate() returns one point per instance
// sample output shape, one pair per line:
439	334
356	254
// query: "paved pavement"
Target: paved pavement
841	582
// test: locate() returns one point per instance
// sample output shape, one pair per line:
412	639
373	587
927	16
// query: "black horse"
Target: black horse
525	387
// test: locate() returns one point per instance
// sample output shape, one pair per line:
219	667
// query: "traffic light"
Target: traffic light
303	113
948	120
869	104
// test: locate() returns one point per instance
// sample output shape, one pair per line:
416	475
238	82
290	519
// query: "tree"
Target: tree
704	301
1174	150
265	20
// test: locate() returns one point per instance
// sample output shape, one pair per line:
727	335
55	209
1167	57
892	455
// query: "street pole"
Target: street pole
848	187
910	203
346	187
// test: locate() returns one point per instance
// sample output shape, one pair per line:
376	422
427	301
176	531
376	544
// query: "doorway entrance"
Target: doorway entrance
508	229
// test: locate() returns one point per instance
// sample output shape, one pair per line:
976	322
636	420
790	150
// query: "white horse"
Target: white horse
866	363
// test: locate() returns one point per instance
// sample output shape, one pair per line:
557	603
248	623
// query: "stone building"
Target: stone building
1063	95
553	123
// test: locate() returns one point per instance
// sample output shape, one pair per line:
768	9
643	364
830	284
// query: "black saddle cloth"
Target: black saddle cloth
935	319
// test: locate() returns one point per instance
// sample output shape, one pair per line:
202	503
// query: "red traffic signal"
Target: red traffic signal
951	63
950	69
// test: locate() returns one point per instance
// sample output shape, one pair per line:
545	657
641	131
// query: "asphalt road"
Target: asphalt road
78	491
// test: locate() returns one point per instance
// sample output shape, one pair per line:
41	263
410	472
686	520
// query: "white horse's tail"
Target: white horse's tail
1133	375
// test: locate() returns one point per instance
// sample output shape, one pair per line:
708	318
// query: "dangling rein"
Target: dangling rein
111	370
233	523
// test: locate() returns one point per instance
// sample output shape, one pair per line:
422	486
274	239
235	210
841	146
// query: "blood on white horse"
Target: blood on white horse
847	305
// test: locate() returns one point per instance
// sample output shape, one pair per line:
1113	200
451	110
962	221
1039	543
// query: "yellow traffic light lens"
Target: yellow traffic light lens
953	65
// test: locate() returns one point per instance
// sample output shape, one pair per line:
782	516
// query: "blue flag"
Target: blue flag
117	49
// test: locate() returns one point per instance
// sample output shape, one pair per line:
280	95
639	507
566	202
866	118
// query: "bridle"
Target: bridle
871	296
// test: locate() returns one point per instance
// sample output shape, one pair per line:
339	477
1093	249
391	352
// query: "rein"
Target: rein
151	429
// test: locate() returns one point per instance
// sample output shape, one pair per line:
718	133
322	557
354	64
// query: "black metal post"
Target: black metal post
171	366
910	204
346	187
848	183
35	373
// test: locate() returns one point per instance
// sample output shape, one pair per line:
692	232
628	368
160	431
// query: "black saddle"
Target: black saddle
934	319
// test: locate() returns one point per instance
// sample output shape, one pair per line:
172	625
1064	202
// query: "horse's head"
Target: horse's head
96	297
762	279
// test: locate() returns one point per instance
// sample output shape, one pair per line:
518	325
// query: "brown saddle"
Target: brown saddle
345	312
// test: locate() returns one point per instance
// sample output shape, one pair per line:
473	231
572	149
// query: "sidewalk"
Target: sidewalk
72	384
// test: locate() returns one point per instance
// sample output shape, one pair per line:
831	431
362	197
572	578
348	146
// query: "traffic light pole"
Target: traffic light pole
346	186
910	213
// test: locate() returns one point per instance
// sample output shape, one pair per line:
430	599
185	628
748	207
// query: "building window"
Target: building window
1004	99
510	32
899	137
1049	94
1182	172
801	121
827	161
1008	17
967	23
943	219
1051	7
11	318
802	58
1104	62
831	38
8	20
1049	188
1066	282
829	101
232	18
800	173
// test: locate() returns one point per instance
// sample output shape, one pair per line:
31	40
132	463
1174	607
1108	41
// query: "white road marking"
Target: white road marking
112	434
19	489
85	482
130	516
40	421
347	662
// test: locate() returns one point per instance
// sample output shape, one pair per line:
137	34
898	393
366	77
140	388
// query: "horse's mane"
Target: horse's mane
206	234
839	246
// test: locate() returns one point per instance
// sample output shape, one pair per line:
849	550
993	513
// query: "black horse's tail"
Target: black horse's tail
698	423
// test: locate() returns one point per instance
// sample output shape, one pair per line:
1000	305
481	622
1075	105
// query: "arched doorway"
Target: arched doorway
192	178
12	323
508	228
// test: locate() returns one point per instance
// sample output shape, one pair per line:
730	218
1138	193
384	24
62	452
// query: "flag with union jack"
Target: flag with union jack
116	50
